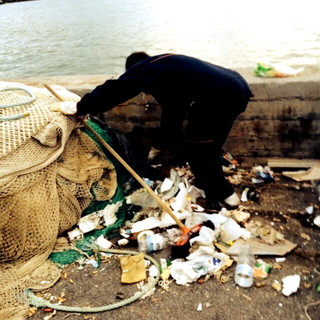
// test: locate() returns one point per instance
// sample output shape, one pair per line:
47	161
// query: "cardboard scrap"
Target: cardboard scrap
258	248
303	175
133	268
292	163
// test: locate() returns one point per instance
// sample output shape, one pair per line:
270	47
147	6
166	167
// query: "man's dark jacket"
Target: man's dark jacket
177	82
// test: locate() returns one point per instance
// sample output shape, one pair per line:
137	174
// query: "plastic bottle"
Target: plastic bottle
148	241
244	270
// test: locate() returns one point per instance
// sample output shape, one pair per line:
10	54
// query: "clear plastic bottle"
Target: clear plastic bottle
244	269
148	241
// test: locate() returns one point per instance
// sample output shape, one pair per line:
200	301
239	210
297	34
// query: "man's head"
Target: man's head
135	58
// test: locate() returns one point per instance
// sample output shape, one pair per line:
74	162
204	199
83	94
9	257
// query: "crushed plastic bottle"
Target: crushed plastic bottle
244	269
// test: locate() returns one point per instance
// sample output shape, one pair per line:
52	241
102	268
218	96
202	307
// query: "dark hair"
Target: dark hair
135	58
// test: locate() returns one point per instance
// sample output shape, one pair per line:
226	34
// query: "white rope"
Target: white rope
41	303
19	115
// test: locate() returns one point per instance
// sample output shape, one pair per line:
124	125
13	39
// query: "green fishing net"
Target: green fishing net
85	245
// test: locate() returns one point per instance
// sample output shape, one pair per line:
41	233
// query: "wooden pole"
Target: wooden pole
164	206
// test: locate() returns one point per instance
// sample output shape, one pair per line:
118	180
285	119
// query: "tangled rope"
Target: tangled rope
41	303
19	115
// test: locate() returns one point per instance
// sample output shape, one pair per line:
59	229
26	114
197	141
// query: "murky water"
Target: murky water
72	37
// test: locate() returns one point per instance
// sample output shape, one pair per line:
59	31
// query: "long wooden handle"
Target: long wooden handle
135	175
126	165
53	92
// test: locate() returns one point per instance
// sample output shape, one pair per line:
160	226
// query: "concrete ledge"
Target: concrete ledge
282	120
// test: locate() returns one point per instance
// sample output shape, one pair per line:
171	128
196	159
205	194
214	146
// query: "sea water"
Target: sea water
72	37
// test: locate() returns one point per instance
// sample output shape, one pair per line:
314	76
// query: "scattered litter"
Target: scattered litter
166	185
316	221
230	231
235	179
206	237
262	174
260	284
261	269
120	295
275	70
228	161
276	285
249	193
92	262
290	284
153	271
204	261
142	198
109	213
246	297
148	241
240	216
244	270
126	233
146	224
292	163
103	243
89	222
264	232
259	248
305	236
142	286
51	315
227	230
312	173
133	268
75	233
309	210
176	179
195	193
180	202
123	242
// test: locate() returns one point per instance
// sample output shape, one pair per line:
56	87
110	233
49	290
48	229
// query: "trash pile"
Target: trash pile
216	239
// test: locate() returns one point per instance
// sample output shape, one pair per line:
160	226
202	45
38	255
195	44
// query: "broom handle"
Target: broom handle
125	164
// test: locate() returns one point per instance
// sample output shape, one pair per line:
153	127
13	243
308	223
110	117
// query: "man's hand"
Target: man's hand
65	107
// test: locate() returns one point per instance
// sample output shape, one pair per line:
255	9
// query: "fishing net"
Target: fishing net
50	172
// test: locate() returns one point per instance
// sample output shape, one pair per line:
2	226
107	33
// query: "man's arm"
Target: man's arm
106	96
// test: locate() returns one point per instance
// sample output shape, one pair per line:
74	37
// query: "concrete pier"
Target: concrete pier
281	120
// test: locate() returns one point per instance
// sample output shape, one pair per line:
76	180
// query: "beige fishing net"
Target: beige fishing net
49	169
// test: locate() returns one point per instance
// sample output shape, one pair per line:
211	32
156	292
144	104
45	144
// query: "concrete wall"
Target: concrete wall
282	120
